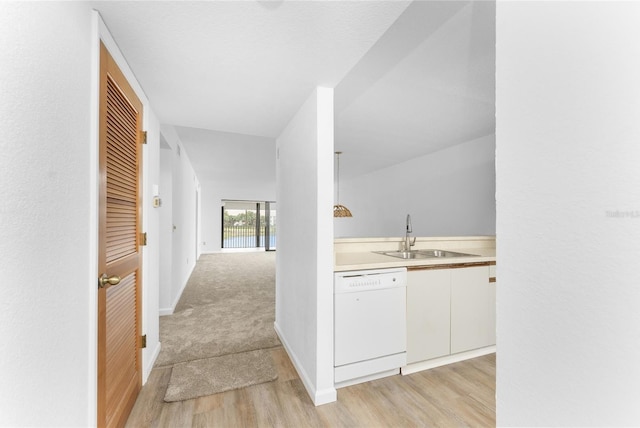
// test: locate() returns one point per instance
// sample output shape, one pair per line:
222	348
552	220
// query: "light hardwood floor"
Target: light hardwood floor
460	394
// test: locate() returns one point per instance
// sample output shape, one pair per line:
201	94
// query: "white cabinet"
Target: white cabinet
428	314
472	309
449	310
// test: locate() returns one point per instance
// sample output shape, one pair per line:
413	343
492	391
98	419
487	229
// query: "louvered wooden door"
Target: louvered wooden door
119	367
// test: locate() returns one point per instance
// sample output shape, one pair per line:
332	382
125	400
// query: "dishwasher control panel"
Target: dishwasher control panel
375	279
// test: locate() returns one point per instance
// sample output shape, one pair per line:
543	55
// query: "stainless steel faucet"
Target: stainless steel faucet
408	242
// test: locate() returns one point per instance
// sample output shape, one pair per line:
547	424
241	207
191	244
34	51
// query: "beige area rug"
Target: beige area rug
231	372
227	307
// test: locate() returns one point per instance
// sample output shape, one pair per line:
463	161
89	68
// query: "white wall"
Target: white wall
151	252
166	231
448	193
568	224
229	166
304	266
48	244
184	186
46	323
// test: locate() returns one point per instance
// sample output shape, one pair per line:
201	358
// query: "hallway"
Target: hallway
223	321
228	306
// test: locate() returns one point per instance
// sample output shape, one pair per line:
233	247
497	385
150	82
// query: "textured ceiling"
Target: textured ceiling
410	78
242	66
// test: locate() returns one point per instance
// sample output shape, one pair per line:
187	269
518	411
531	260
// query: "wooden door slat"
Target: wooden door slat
125	129
119	104
122	241
121	177
118	138
119	100
118	253
119	163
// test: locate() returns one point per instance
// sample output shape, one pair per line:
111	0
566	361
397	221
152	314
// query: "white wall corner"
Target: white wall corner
325	396
325	390
304	296
92	354
165	311
170	310
318	396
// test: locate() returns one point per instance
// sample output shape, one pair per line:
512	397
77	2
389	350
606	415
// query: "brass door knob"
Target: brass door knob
110	280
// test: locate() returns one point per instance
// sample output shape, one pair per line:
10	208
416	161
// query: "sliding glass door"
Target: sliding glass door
270	226
248	224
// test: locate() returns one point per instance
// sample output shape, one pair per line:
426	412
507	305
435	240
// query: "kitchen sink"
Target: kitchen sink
424	254
405	254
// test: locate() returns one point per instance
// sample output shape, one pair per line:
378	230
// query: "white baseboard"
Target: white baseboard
319	397
169	311
209	252
448	359
325	396
234	250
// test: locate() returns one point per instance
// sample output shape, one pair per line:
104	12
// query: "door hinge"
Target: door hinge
143	239
144	137
143	341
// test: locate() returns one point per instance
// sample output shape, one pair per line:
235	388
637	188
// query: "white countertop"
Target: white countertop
371	260
366	258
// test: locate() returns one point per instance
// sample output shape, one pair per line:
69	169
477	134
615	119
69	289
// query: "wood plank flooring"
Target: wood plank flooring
460	394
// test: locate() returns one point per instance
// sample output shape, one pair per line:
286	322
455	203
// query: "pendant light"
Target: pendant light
339	210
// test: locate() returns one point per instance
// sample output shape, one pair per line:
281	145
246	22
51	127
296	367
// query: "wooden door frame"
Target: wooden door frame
107	64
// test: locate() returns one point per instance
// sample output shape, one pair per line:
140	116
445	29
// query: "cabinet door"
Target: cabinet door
428	314
472	309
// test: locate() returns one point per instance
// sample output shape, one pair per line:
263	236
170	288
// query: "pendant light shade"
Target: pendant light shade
339	210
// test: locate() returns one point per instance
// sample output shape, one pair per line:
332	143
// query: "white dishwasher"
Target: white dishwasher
370	339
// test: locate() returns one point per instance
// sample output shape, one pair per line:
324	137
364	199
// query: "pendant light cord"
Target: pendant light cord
339	210
338	181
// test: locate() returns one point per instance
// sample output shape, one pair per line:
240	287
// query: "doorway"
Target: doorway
248	224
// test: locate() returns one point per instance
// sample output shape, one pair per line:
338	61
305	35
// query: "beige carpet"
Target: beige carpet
229	372
227	307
